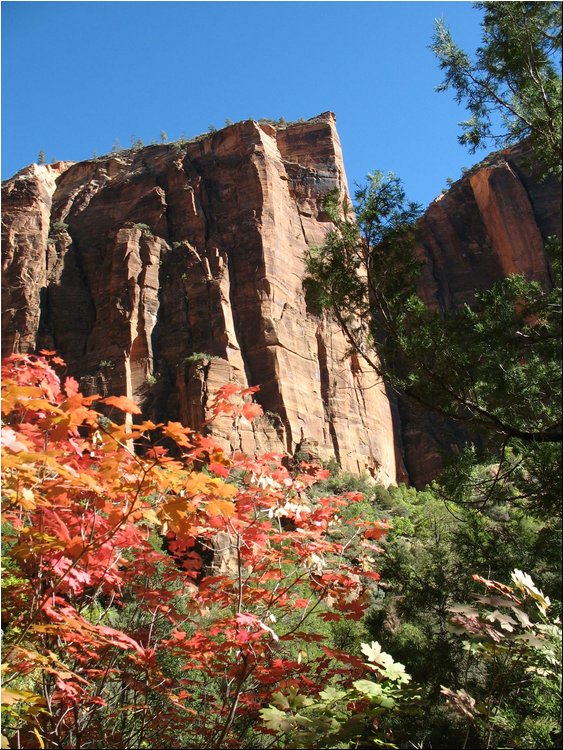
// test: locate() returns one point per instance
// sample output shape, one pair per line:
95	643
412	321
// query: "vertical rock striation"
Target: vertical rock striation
164	272
490	224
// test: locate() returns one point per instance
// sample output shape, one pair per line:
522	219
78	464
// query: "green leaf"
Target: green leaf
330	694
280	701
374	691
275	719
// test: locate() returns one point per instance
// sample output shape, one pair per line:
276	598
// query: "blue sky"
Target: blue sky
76	76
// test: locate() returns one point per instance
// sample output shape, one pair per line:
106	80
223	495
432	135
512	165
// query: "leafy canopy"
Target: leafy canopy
157	598
515	77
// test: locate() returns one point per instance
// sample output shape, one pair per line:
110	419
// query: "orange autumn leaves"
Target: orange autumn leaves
87	504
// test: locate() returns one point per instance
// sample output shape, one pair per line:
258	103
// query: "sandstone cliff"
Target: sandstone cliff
164	272
491	223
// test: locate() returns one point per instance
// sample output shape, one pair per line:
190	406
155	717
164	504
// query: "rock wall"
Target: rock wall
491	223
165	272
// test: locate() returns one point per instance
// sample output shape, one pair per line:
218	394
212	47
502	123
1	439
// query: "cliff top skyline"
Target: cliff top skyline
99	75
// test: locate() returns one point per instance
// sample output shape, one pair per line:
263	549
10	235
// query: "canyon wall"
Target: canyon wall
491	223
163	272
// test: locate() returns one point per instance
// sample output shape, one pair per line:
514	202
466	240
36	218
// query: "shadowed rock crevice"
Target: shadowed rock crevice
325	393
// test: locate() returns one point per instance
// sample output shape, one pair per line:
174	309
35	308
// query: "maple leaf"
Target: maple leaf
10	696
377	529
123	403
375	691
461	702
178	433
375	654
218	468
119	639
10	440
229	389
275	719
218	507
250	411
249	390
330	616
92	513
71	386
525	583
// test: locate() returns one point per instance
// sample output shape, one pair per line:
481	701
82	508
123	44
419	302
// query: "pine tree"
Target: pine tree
515	76
492	365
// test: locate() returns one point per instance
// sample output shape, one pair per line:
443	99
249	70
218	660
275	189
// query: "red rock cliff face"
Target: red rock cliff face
165	272
490	224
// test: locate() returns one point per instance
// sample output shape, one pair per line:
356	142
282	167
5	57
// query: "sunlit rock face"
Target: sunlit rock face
491	223
164	272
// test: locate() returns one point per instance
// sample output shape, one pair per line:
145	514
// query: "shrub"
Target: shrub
145	229
99	618
59	226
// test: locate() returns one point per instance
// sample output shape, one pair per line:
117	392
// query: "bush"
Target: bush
99	618
59	226
145	229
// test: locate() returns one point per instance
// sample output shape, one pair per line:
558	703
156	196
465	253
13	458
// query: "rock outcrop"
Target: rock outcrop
164	272
491	223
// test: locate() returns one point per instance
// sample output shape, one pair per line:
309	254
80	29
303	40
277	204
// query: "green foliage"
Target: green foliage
145	229
200	358
432	545
279	123
365	265
342	482
178	146
340	718
493	364
512	666
59	226
163	136
516	74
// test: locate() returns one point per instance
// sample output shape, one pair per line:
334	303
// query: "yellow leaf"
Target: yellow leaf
224	490
223	508
27	500
9	696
